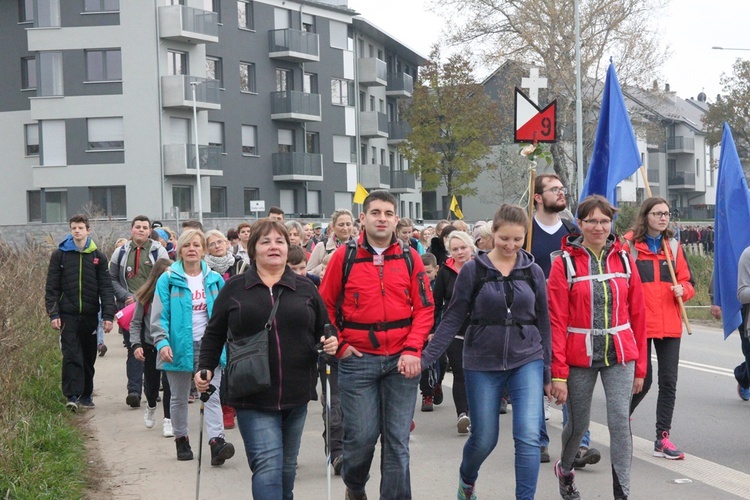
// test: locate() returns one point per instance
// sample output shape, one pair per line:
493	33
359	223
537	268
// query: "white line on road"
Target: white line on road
716	370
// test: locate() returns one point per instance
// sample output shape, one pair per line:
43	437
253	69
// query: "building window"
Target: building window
312	142
342	92
362	101
218	201
103	65
249	140
177	63
245	17
216	135
382	157
48	206
308	23
182	198
51	74
286	140
372	103
213	70
374	157
53	143
34	206
247	78
25	11
287	201
251	194
697	167
310	83
108	201
47	14
284	80
363	153
213	6
31	132
105	133
101	5
28	73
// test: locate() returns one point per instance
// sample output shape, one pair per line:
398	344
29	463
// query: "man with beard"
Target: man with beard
546	237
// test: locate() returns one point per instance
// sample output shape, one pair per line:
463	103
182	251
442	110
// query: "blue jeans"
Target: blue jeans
272	440
485	390
377	401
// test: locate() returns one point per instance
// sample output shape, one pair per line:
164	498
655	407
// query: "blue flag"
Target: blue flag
616	156
731	236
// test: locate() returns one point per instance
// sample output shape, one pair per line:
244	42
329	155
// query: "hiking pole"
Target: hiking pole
204	397
328	329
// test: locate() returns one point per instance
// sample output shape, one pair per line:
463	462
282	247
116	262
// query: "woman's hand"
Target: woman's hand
678	290
200	384
559	391
637	385
330	345
166	354
351	351
138	354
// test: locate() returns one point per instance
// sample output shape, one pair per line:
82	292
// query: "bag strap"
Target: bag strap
269	323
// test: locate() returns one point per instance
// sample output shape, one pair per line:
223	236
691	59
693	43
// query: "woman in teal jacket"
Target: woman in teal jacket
182	304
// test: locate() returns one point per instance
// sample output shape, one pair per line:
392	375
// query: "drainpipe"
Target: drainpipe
160	111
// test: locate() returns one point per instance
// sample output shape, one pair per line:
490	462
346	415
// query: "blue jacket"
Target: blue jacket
172	314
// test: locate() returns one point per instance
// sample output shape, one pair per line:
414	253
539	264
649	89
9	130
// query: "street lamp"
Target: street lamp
197	152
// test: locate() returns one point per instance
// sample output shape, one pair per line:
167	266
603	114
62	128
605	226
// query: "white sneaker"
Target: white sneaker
463	424
546	408
166	429
148	417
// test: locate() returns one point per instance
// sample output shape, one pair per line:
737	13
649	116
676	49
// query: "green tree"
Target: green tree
454	123
733	107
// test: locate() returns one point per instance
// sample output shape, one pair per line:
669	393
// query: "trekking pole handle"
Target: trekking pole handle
205	396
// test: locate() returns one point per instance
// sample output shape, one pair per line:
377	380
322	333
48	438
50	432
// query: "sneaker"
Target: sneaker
191	399
148	417
220	450
567	485
503	406
166	428
586	456
743	393
102	350
183	448
228	413
544	455
337	464
546	408
465	491
72	404
437	395
664	448
427	403
133	400
353	495
463	424
86	403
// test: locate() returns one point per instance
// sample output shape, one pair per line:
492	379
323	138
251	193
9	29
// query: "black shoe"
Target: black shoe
86	403
353	495
102	350
220	450
133	400
503	406
183	448
72	404
586	456
437	394
567	485
337	464
426	403
544	455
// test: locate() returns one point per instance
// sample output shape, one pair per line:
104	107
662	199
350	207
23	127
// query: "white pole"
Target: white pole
579	105
197	157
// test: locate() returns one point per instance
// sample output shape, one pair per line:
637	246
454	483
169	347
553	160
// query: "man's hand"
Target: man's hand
637	385
200	384
107	325
716	312
559	391
409	366
56	323
351	351
166	354
678	291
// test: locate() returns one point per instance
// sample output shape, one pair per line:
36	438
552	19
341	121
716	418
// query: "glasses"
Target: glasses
659	215
215	244
594	222
557	190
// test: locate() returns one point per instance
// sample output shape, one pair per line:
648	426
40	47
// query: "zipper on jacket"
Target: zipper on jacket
606	301
80	283
278	350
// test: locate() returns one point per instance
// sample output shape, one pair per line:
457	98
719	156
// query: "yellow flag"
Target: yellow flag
456	209
360	194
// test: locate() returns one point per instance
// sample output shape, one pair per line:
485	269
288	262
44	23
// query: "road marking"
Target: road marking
716	370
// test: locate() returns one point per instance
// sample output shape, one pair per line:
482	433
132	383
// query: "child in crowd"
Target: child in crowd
297	262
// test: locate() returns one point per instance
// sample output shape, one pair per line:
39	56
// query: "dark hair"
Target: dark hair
275	210
447	230
232	234
262	228
428	259
140	218
192	224
296	255
591	203
379	195
78	218
145	294
640	225
540	182
509	214
243	225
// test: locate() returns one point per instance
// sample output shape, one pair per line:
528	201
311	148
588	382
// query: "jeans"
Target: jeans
377	401
78	345
272	440
742	371
485	390
100	331
133	367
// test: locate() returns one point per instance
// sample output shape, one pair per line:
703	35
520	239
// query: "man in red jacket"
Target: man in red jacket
384	311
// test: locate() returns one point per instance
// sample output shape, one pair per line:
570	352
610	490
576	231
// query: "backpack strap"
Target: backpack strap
570	270
569	225
482	279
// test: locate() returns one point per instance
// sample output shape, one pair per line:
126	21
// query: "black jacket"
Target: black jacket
243	306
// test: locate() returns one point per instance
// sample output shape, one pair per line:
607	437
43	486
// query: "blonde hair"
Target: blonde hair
463	236
185	238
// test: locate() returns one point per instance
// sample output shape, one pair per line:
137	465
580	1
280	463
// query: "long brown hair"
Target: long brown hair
145	294
640	226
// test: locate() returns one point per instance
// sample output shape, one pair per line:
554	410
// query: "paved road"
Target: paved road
710	426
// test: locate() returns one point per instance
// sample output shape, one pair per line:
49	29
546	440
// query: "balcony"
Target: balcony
653	176
297	167
372	71
680	144
681	180
187	24
176	92
398	132
402	181
374	176
399	85
179	159
293	45
291	105
373	124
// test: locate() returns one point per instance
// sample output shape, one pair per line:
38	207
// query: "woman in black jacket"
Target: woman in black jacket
271	421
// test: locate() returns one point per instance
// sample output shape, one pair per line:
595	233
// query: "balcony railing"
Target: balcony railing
297	167
188	24
295	106
681	179
680	143
179	159
373	124
372	71
399	84
374	176
293	45
402	181
398	131
177	92
653	176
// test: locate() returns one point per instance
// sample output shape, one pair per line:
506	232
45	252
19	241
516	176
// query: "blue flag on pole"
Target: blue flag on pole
616	156
731	236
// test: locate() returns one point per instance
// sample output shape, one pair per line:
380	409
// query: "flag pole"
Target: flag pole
532	181
667	253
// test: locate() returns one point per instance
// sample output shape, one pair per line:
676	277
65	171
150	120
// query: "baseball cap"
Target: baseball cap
157	223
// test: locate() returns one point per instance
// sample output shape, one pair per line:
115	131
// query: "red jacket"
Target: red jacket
378	295
572	307
663	318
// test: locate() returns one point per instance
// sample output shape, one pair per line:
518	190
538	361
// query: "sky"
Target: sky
689	27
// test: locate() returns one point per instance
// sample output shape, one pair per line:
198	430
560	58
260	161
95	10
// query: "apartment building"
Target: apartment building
105	106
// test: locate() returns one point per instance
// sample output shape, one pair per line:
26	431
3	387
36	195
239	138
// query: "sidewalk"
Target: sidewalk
138	463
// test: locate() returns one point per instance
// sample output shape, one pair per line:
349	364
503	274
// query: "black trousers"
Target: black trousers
668	356
742	371
455	353
151	378
78	346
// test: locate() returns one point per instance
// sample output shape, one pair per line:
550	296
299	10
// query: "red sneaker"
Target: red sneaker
229	414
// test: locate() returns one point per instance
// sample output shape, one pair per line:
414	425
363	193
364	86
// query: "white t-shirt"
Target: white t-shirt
549	229
200	309
379	250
